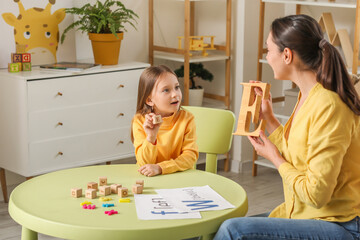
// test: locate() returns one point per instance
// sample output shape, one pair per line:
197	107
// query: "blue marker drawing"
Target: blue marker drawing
201	204
164	213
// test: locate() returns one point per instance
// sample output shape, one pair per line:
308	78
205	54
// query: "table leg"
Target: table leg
27	234
209	236
3	184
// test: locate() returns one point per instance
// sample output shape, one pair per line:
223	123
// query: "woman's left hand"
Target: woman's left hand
265	148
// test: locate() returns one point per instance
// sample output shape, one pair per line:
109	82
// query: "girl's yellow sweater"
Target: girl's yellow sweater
175	148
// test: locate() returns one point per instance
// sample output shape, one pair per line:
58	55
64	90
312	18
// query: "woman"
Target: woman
317	152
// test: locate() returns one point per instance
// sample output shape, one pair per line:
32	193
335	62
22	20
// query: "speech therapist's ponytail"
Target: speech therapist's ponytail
333	75
303	34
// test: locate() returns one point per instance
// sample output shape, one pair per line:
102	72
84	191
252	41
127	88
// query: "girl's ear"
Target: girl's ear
288	55
149	102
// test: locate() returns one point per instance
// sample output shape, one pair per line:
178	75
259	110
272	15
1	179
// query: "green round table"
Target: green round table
44	205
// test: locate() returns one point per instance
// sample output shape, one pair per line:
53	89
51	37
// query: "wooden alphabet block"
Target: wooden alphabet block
26	57
250	106
157	119
104	190
14	67
90	193
16	57
76	192
20	48
115	187
137	188
26	66
123	192
92	185
141	182
102	181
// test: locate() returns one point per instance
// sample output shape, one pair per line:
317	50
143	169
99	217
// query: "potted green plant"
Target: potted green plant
196	92
105	25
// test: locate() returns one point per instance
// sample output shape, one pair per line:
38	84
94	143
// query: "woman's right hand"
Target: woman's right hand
266	110
151	129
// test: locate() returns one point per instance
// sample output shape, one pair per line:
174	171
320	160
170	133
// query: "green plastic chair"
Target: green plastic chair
214	129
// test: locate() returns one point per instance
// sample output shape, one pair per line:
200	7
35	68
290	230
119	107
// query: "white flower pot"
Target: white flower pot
196	97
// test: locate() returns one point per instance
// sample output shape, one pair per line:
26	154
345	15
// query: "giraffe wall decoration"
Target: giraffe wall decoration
38	29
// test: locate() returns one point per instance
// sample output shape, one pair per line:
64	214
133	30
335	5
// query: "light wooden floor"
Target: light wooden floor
264	193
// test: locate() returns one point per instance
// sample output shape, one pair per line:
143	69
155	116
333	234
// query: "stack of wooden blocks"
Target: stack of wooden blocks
20	61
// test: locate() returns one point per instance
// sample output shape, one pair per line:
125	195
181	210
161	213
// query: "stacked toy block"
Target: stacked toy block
20	61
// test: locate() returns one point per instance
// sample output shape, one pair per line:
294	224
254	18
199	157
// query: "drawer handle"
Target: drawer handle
121	115
121	142
60	153
121	86
60	124
59	94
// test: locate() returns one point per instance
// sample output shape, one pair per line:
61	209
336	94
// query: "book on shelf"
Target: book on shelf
71	66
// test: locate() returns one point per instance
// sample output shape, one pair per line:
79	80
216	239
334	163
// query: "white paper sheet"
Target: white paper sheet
194	199
154	207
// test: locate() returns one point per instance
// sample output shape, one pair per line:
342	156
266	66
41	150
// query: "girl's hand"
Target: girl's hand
265	148
151	129
150	170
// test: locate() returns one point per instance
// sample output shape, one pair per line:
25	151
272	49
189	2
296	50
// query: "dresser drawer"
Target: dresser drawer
80	150
82	119
86	89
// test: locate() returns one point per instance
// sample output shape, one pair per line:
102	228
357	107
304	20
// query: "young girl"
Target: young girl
317	152
168	146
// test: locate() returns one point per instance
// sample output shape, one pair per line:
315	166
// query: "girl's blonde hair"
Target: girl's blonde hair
146	84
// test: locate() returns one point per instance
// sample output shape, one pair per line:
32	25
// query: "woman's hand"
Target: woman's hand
265	148
266	110
150	170
151	129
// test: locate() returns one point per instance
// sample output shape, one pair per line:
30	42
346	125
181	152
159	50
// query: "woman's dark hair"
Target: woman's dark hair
303	35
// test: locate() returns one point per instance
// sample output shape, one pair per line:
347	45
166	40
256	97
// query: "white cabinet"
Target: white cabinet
52	120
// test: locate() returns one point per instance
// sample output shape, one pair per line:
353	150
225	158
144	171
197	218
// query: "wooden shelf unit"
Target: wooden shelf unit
222	52
351	4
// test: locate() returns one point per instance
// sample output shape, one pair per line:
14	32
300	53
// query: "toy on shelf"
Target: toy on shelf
20	61
339	37
197	43
250	106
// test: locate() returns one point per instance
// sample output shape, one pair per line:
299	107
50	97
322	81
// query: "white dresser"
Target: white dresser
52	120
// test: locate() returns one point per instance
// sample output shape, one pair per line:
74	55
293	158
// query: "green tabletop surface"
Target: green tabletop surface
43	204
